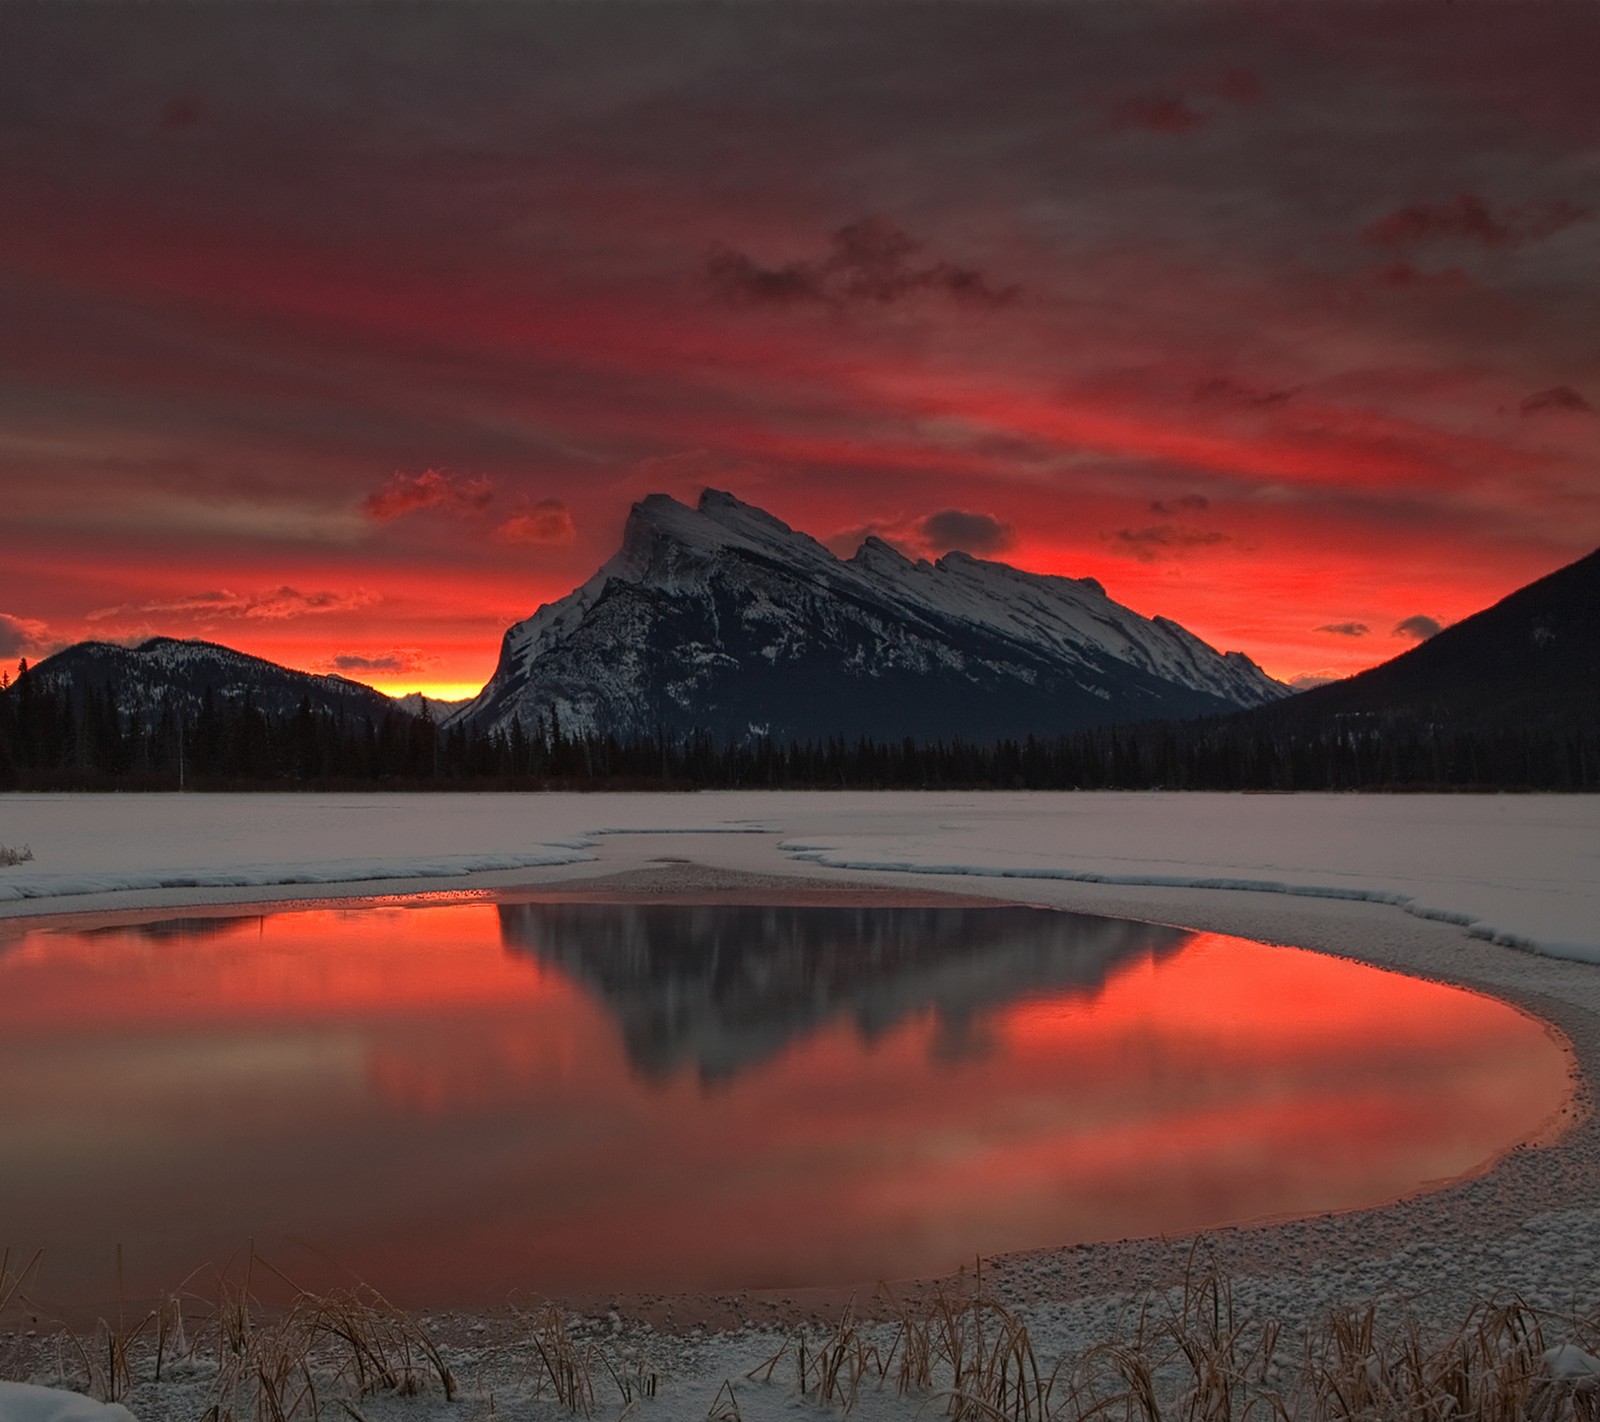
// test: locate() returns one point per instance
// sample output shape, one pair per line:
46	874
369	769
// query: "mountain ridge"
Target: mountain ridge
723	618
163	673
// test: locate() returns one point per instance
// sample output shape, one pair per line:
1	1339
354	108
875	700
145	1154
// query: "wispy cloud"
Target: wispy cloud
548	521
1162	540
1222	391
432	489
274	604
1468	218
1184	503
1345	629
1557	398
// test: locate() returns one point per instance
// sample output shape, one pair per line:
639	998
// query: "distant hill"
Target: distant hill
166	674
1531	663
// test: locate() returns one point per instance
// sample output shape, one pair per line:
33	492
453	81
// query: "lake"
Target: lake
457	1100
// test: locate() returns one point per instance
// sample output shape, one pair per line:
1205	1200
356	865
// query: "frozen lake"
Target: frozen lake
455	1100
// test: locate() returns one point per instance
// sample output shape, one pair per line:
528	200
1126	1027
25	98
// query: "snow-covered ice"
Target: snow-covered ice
1520	870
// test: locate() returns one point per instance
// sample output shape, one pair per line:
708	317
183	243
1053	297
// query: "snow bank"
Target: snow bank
323	871
22	1402
1521	870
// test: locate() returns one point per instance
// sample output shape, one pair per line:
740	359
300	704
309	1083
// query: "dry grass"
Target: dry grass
1191	1357
12	1282
10	857
1187	1356
292	1363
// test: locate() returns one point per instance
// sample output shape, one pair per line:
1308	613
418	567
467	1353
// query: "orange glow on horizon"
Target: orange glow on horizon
434	690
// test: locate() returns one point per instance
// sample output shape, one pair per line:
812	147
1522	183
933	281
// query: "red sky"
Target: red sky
347	336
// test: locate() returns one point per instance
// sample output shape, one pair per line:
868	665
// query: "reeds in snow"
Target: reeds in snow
1189	1355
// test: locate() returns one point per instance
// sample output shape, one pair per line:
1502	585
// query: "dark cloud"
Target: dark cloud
870	261
1418	627
395	661
20	636
275	604
548	521
1468	218
1345	629
1185	503
431	489
976	533
1558	397
1162	540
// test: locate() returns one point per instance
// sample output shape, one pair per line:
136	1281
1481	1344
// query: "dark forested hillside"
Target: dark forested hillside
54	738
1530	663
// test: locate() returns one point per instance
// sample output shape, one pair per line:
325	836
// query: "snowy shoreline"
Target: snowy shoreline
1358	871
1523	871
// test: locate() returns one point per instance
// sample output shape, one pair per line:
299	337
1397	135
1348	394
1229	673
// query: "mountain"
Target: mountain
414	703
722	618
1531	662
721	988
164	672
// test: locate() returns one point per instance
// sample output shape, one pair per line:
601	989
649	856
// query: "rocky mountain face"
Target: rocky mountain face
163	673
724	619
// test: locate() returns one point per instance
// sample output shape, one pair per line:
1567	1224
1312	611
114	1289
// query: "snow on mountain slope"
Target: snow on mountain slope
722	618
1068	615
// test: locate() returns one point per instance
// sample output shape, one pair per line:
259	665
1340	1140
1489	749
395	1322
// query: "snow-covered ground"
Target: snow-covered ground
1431	885
1522	870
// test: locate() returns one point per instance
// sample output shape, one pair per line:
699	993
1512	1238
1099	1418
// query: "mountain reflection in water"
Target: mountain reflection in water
455	1101
726	987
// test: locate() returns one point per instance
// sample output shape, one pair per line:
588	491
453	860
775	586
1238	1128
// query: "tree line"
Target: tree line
56	737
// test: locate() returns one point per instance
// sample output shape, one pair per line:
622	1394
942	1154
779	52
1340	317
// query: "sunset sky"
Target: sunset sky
346	335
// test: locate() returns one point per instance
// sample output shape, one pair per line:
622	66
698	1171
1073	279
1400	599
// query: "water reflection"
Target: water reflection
454	1102
725	987
167	929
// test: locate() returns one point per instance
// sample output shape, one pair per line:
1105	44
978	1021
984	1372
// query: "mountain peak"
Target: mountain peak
722	618
664	537
874	555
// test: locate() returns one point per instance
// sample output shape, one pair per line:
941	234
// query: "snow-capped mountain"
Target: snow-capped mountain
435	708
723	618
168	673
